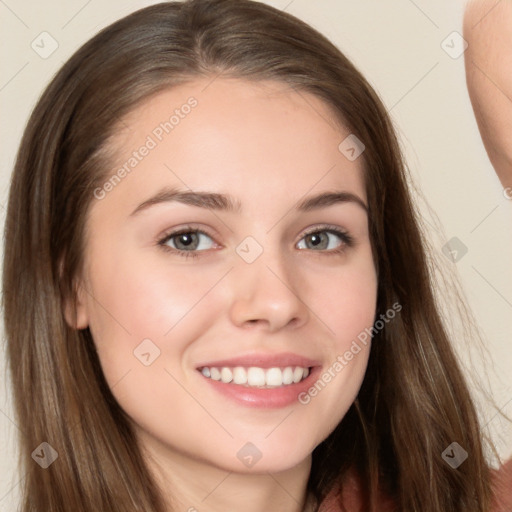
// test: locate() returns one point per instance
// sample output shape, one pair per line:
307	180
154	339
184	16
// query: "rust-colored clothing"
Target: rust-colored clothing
351	498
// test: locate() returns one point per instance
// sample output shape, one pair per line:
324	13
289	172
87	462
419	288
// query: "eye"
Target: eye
332	240
187	240
190	241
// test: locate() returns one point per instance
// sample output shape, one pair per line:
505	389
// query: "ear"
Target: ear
75	305
75	309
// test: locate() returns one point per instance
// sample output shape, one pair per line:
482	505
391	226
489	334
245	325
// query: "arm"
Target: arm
487	28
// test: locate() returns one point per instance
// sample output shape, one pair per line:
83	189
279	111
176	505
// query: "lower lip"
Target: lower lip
269	398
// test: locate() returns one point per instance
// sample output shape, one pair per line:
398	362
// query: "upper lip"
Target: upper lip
263	360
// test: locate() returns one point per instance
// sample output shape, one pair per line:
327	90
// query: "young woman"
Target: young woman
216	293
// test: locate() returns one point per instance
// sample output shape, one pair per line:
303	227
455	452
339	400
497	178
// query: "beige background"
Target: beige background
398	46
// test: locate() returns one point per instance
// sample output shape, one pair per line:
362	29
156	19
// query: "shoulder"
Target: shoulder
351	499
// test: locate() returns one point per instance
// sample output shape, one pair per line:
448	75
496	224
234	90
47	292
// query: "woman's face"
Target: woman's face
269	276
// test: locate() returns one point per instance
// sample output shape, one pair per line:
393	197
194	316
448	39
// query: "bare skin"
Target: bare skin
488	59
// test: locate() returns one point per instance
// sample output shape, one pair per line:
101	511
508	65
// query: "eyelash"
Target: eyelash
347	240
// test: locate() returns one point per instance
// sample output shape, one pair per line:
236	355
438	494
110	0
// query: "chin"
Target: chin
265	456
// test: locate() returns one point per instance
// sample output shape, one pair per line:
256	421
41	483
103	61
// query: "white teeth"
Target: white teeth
226	375
239	375
298	373
257	377
274	377
288	375
214	373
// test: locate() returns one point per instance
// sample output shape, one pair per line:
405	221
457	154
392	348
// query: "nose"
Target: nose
266	295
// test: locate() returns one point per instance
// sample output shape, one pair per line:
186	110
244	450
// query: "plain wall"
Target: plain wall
398	45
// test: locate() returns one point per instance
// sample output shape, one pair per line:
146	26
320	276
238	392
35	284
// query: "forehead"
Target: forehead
255	140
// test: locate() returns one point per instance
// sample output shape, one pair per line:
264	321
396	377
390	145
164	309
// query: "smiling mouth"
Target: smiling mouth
256	377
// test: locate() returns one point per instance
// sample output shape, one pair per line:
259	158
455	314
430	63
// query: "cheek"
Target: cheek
352	306
347	309
343	298
132	301
144	318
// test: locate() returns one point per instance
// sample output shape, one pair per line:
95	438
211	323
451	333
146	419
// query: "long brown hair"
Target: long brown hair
414	401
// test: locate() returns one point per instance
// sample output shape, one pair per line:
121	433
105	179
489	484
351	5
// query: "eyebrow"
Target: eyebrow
224	202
